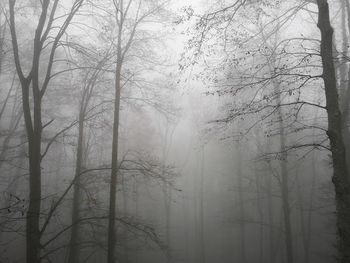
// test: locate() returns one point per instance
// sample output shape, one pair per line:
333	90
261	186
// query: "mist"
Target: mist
141	131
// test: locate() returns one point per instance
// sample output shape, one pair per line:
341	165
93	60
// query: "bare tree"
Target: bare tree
37	84
90	81
129	15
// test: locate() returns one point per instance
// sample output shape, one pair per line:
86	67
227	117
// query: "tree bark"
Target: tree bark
340	177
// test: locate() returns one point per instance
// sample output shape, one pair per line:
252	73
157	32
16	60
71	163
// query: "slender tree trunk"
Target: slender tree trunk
113	183
285	191
195	210
310	212
167	195
302	217
284	183
111	245
241	206
74	252
186	229
340	171
186	221
306	227
81	157
125	211
201	208
268	184
261	214
136	199
167	206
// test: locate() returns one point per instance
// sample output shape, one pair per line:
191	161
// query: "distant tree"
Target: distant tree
89	82
296	64
129	17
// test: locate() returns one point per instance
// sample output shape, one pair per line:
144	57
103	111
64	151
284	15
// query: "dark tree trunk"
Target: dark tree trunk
114	170
33	214
121	15
340	172
33	120
34	148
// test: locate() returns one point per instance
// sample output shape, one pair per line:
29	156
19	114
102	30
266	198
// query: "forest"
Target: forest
164	131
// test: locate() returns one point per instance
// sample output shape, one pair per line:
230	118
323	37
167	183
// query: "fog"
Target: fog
141	131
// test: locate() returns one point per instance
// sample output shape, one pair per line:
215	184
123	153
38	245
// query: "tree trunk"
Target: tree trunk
270	211
33	213
126	247
340	171
260	213
304	232
284	184
73	256
241	206
136	212
34	147
167	194
306	222
113	182
201	208
285	190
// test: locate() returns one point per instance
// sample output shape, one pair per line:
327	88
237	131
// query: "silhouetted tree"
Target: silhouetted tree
36	83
